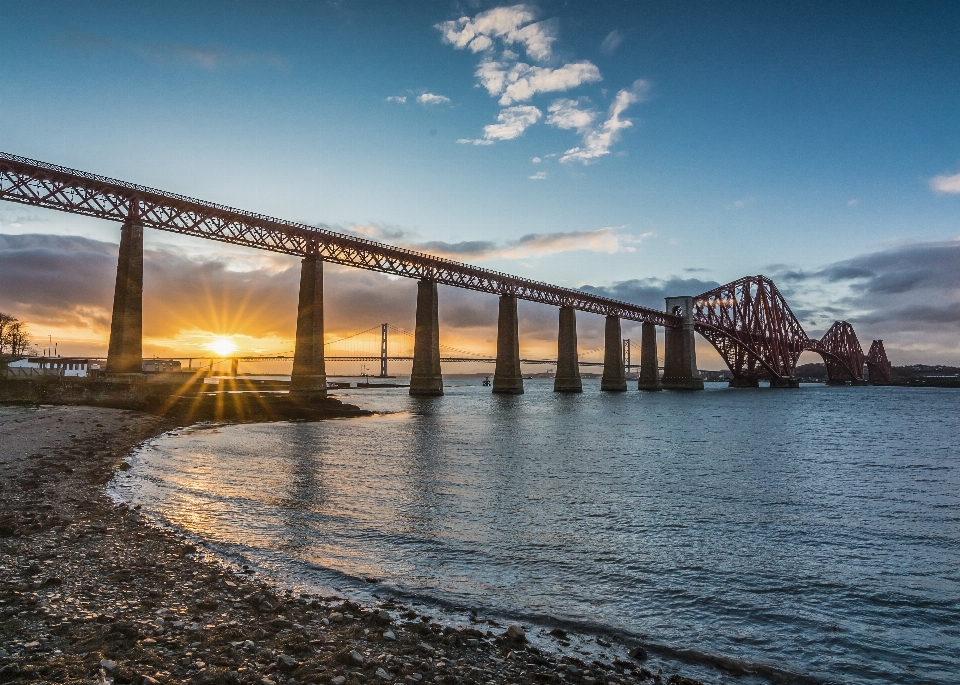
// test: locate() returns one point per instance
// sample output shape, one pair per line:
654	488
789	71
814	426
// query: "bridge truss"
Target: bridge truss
752	327
39	184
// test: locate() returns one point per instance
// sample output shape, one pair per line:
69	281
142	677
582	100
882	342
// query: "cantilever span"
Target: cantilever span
751	325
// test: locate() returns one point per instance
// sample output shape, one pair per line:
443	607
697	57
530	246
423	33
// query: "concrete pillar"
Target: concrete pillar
568	367
125	353
506	377
234	367
679	354
649	365
309	376
426	378
613	378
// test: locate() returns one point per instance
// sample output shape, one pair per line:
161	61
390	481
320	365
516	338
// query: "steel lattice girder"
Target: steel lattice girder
752	327
841	352
40	184
878	364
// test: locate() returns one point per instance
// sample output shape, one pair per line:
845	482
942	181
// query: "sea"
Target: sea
737	535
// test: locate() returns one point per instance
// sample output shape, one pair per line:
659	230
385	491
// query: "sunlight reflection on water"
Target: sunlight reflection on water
813	529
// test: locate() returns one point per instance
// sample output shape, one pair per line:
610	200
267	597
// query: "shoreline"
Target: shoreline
93	592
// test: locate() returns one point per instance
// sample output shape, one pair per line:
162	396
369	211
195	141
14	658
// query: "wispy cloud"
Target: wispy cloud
611	42
511	123
539	176
399	99
946	184
597	142
432	99
609	240
210	58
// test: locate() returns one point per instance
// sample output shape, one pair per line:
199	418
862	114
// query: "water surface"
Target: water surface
816	530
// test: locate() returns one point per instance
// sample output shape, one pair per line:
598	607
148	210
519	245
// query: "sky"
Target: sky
635	149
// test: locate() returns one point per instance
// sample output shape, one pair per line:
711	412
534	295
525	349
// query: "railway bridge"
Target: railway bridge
747	321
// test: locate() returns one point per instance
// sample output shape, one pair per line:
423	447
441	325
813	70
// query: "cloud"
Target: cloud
210	58
511	25
432	99
511	123
597	142
650	292
909	296
520	82
536	160
946	184
611	42
568	114
539	176
609	240
399	99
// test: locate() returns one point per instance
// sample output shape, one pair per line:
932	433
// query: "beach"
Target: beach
91	591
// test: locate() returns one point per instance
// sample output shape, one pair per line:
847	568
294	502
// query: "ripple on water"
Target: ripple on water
814	530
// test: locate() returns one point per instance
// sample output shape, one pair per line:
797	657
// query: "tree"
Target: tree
5	322
18	339
14	336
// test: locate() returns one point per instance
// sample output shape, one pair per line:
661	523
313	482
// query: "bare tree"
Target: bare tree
18	338
5	322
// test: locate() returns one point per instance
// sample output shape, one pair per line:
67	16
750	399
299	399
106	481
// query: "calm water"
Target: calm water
816	530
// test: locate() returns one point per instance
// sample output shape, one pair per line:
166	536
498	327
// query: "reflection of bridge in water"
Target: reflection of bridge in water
747	321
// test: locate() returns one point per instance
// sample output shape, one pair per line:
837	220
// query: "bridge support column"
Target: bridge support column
743	383
426	378
125	353
613	379
568	367
649	366
680	353
309	376
507	377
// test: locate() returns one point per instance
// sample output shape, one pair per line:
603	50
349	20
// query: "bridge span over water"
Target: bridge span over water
747	321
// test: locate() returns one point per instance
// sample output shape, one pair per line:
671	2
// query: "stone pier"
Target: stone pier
125	353
309	376
613	378
426	378
506	377
568	366
649	364
680	354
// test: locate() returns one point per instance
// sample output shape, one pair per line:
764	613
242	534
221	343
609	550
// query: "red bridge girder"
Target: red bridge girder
752	327
878	366
841	352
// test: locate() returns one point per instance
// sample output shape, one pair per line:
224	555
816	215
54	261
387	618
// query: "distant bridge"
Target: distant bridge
747	321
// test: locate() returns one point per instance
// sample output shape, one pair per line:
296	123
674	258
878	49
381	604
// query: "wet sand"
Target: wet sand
91	593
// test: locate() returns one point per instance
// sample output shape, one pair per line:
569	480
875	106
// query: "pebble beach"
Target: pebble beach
92	592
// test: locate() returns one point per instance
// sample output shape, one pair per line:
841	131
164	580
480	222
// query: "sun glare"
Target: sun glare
222	346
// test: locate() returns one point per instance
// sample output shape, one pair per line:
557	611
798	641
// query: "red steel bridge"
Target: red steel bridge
747	321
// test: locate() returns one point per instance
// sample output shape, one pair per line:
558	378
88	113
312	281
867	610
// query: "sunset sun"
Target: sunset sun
222	346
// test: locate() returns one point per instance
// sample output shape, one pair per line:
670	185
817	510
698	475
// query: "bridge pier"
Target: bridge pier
649	367
613	379
506	377
680	352
426	378
744	383
125	353
568	367
309	376
784	383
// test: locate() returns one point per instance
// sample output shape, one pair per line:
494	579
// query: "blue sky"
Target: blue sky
691	140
